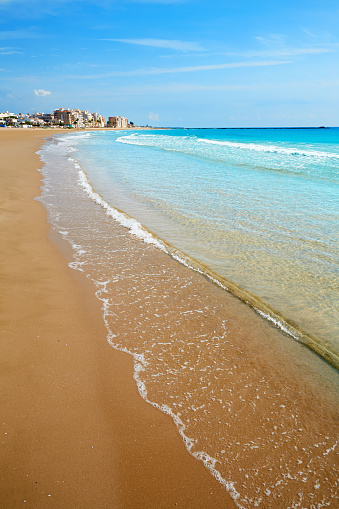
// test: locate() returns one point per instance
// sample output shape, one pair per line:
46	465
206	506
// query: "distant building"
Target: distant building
6	115
48	118
79	118
98	120
64	116
8	118
117	122
87	118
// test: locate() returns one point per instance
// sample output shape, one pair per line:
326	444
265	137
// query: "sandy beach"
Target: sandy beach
75	432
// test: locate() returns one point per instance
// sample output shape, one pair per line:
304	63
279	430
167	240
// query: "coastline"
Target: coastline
75	431
314	339
141	176
83	431
269	408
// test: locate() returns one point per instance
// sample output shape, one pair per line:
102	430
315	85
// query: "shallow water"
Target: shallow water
258	207
258	408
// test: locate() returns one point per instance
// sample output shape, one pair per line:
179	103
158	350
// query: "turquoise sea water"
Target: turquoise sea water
258	409
258	207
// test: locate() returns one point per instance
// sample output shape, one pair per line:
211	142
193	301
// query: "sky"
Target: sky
190	63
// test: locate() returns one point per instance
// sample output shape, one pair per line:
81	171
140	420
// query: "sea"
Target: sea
177	226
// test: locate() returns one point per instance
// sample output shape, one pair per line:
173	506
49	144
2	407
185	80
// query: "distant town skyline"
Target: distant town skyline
62	117
191	63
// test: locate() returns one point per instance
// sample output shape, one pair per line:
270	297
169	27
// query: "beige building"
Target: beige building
117	122
79	118
98	120
6	115
64	116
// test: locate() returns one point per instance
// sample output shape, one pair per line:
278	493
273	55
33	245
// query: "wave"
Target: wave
135	228
176	144
272	149
132	224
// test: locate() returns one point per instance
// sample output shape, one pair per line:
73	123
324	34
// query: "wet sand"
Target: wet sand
74	430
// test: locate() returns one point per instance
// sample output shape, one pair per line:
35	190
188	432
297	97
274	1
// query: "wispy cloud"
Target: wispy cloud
17	34
231	65
308	32
175	70
272	39
262	87
162	43
154	117
9	51
276	45
42	93
287	52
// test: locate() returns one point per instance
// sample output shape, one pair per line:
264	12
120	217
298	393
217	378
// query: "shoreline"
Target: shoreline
132	279
75	431
317	346
91	437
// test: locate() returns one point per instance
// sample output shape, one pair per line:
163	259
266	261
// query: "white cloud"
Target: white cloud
308	32
163	43
17	34
286	52
232	65
10	52
300	86
272	39
153	116
276	45
41	92
199	68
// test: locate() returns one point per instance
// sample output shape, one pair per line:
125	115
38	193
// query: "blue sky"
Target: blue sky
193	63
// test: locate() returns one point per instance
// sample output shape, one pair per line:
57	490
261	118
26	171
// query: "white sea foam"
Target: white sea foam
135	228
179	143
273	149
278	323
140	364
130	223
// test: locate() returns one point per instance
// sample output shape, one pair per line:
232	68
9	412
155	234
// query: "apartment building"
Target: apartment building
48	118
98	120
79	118
117	122
6	115
64	116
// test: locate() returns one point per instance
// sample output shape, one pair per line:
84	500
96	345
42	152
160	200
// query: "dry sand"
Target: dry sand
74	431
